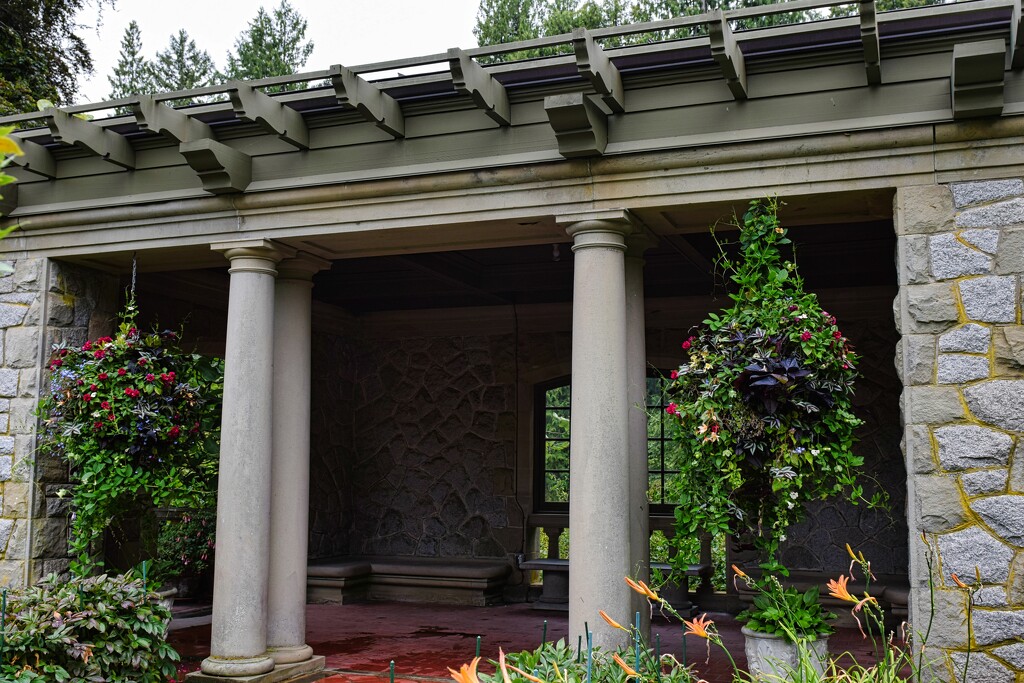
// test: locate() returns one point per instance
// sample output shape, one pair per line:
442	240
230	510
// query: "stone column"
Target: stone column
636	373
238	642
289	503
599	505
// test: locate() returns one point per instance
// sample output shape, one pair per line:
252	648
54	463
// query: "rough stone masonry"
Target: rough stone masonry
961	358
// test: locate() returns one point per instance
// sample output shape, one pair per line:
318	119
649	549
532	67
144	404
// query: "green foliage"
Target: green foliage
138	420
273	45
185	546
41	53
785	611
183	66
763	399
100	628
133	74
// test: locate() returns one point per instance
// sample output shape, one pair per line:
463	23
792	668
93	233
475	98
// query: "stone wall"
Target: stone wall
67	302
961	357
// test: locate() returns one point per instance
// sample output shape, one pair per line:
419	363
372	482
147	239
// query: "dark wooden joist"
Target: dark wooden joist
373	104
726	53
254	105
594	65
72	130
488	94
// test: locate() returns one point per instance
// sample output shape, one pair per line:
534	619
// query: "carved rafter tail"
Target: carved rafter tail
977	78
869	39
469	78
220	168
580	127
727	54
254	105
170	123
36	158
594	65
71	130
373	104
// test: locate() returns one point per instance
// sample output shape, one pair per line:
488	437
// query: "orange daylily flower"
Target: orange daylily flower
611	622
739	572
698	626
957	581
503	667
625	667
467	673
643	589
525	675
838	589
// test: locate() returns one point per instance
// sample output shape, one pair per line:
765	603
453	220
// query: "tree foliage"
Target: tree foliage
41	53
274	44
133	73
183	66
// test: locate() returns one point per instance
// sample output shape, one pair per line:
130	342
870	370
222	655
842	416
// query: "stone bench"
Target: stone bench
555	590
343	580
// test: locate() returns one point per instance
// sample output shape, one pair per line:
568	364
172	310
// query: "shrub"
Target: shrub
100	628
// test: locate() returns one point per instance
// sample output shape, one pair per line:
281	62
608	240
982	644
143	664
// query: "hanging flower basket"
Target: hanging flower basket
762	401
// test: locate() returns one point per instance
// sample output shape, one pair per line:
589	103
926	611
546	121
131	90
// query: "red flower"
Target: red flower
805	336
121	372
142	361
105	405
686	345
80	382
63	352
92	387
87	346
793	307
672	409
837	334
56	364
675	374
111	417
86	397
133	393
99	354
173	432
97	425
132	331
102	376
150	377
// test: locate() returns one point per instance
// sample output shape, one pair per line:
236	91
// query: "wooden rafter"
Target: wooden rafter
728	55
977	79
171	123
488	94
869	39
36	158
370	101
251	104
71	130
594	65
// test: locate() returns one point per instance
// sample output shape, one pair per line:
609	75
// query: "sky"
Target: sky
343	31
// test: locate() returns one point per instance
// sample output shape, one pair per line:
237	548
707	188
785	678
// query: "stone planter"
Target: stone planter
771	657
165	596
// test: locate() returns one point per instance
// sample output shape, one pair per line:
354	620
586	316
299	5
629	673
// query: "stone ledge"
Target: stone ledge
300	672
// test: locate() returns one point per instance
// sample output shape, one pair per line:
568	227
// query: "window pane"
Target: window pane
653	391
556	456
556	423
654	418
654	488
672	482
654	456
557	397
556	487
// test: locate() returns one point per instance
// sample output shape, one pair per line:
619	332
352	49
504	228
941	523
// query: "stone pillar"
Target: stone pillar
238	642
961	358
636	373
289	504
599	492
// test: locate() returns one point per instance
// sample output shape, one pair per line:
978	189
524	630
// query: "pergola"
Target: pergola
617	147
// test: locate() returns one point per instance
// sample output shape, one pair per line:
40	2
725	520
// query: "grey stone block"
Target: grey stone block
965	194
984	482
917	446
938	503
1009	212
999	402
8	383
1011	654
957	368
1015	590
969	338
952	258
920	359
21	347
991	626
1004	515
912	257
990	299
1016	481
12	314
948	628
986	240
50	538
981	668
27	273
923	209
1010	255
930	304
12	572
1010	346
991	596
932	405
6	463
962	551
6	445
964	447
6	527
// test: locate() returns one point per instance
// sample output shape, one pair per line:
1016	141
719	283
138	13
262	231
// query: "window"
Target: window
552	461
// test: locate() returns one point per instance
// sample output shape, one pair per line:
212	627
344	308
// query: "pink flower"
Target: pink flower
805	336
102	376
672	409
133	393
675	374
837	334
105	405
150	377
121	372
99	354
87	346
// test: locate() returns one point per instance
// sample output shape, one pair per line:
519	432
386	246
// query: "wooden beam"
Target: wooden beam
727	53
469	78
37	159
221	169
581	128
594	65
251	104
869	39
71	130
370	101
171	123
977	79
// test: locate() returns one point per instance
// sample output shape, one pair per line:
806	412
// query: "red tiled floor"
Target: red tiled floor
360	640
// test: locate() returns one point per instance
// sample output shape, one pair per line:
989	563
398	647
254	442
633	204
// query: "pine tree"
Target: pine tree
272	45
133	74
183	66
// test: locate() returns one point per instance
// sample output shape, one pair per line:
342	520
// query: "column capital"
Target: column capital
607	228
301	266
254	255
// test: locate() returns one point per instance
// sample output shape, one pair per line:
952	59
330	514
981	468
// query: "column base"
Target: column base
290	654
300	672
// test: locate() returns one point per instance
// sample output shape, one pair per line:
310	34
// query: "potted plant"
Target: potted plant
137	418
